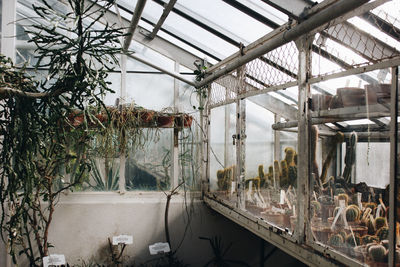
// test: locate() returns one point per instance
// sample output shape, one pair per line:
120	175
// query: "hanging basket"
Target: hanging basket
165	121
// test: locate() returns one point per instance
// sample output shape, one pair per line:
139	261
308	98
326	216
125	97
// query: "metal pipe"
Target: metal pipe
134	23
164	15
170	73
326	15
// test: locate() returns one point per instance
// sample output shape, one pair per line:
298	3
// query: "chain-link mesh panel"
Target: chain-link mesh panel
371	38
278	67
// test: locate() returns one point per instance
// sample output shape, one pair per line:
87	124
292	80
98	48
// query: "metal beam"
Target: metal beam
292	8
163	17
382	24
326	15
134	23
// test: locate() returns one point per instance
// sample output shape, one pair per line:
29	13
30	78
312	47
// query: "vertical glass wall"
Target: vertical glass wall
350	177
223	153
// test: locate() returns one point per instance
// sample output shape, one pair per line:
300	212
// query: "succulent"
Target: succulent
350	157
270	174
295	159
380	222
352	208
337	139
339	191
278	172
335	240
350	240
366	239
261	175
220	179
292	176
316	206
377	253
284	182
371	226
343	234
383	233
344	197
289	156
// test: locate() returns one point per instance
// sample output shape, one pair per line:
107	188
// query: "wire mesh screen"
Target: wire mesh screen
365	40
276	68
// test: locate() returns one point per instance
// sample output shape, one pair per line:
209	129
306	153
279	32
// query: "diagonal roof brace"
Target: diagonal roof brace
134	23
163	17
285	36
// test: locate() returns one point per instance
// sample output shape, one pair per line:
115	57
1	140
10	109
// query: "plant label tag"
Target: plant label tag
378	211
359	201
122	239
159	248
53	260
233	187
294	210
282	197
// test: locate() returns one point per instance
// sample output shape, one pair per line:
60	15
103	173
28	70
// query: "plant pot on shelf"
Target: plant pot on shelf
321	102
378	93
145	117
184	120
165	121
351	96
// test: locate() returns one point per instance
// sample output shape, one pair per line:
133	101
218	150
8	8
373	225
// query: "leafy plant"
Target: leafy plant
40	147
107	183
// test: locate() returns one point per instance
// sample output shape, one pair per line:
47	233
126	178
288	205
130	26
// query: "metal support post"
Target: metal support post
175	138
122	101
241	141
205	137
277	145
228	137
304	136
394	168
8	31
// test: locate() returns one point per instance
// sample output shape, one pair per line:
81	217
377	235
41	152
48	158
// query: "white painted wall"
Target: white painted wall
84	221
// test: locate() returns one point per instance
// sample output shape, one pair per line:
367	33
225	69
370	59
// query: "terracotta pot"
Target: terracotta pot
321	102
378	93
351	96
145	116
183	121
165	121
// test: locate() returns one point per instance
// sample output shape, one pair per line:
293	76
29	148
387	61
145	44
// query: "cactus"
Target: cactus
380	222
289	156
377	253
371	205
352	214
383	233
358	211
371	226
335	240
284	179
316	207
314	142
337	139
344	197
339	191
270	175
366	239
261	175
220	179
277	173
343	234
295	159
293	176
350	240
350	157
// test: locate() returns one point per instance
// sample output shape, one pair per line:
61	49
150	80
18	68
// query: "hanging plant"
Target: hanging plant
43	151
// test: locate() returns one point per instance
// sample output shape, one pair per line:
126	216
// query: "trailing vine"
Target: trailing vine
43	154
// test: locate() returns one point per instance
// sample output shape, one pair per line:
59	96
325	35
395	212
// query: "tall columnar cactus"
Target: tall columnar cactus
261	175
284	179
277	173
337	139
220	179
350	157
270	175
314	143
292	168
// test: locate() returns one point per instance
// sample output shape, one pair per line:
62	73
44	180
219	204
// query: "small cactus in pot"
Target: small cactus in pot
335	240
377	253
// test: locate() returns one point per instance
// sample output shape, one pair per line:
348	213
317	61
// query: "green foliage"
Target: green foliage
40	148
107	183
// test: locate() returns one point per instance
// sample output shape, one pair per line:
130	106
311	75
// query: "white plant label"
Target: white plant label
378	211
359	200
233	187
294	210
159	248
341	212
54	260
122	239
251	188
277	210
282	197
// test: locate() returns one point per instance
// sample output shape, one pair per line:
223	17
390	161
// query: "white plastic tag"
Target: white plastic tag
294	210
53	260
282	197
159	248
359	200
250	188
378	211
122	239
233	187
